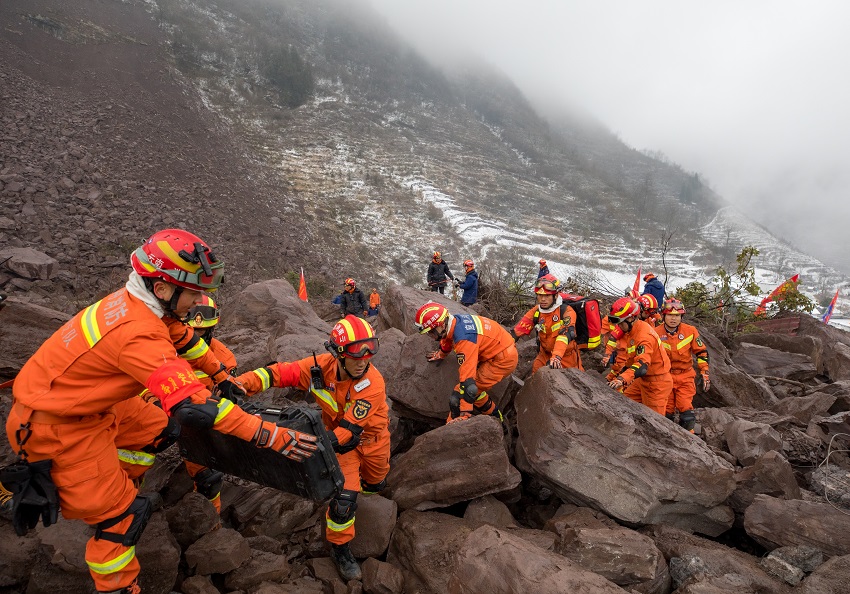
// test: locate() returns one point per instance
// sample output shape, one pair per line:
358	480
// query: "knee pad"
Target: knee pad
469	390
201	416
165	439
208	482
688	419
372	488
141	509
343	506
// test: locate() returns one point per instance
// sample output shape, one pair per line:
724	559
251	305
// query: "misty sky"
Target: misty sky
755	95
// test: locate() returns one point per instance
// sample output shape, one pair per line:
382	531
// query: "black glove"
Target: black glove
228	389
34	496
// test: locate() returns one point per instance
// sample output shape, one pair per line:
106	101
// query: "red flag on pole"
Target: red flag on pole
777	292
828	313
637	280
302	287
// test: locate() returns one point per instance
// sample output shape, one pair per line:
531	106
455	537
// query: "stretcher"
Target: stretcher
317	478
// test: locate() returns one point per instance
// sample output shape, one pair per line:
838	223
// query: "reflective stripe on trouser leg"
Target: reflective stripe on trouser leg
485	404
112	565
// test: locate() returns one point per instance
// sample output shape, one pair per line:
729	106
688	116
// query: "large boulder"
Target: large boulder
497	562
765	361
453	463
159	556
426	544
730	386
376	517
29	263
778	522
770	475
699	565
25	326
219	551
747	440
400	303
60	567
804	408
830	578
597	448
809	346
420	390
623	556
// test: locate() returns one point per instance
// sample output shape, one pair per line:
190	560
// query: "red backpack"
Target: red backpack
588	320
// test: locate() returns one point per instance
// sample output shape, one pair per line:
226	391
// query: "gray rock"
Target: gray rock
198	584
833	483
193	517
400	303
770	475
803	408
760	360
830	578
489	510
776	522
438	470
617	456
381	578
376	518
782	569
220	551
29	263
747	440
262	567
26	326
159	556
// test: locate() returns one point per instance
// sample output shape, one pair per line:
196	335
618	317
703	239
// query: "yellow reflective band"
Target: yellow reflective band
701	360
117	564
557	326
339	527
619	314
479	327
562	338
175	257
224	408
135	457
197	351
200	374
482	396
325	397
91	330
263	374
611	343
592	343
667	346
631	349
685	342
349	329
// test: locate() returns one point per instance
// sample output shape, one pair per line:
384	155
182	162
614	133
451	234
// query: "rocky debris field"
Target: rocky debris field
581	490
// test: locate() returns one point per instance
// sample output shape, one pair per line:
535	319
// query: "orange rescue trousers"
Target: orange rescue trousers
369	461
95	459
653	391
488	374
684	390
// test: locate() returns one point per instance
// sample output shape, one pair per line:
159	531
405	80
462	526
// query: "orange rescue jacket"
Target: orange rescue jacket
553	331
682	346
637	350
474	339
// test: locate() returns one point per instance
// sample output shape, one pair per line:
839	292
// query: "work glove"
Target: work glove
437	355
456	282
229	389
555	362
617	384
293	444
460	417
706	383
34	496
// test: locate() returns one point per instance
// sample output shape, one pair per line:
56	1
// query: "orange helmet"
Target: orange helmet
648	302
673	306
436	256
648	277
547	285
542	262
349	282
468	264
429	315
353	337
180	258
623	308
205	315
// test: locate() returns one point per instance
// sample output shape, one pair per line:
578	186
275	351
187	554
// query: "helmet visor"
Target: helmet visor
203	316
545	286
361	349
617	319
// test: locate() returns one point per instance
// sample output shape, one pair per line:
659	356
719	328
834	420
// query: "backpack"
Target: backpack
588	319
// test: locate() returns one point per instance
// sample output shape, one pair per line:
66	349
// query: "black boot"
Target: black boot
345	562
688	420
671	416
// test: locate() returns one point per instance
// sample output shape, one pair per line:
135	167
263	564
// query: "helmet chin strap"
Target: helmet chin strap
351	375
168	305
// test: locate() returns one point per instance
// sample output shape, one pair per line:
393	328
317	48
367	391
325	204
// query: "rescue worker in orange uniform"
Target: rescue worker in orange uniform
649	309
642	367
76	407
204	318
485	352
555	323
353	399
682	343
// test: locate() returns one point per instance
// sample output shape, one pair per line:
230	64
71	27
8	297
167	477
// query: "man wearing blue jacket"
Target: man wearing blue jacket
469	284
653	286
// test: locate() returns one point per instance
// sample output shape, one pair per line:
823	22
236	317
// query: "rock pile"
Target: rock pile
581	490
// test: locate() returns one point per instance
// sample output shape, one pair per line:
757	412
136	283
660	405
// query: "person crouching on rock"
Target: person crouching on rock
485	352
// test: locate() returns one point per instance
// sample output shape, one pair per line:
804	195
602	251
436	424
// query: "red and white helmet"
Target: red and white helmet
542	262
429	315
468	263
353	337
180	258
673	306
349	282
622	309
648	302
547	285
